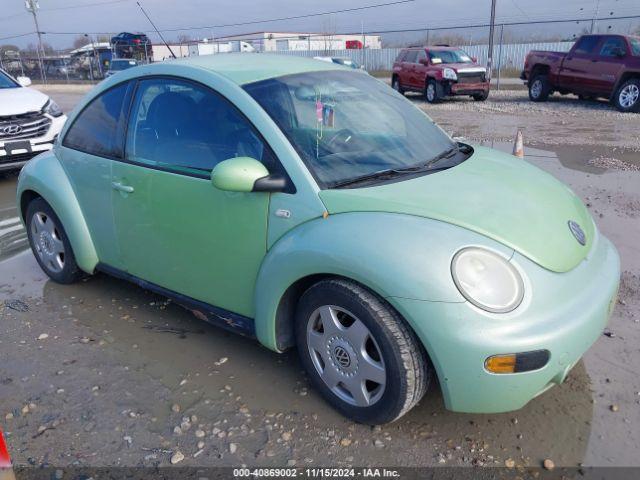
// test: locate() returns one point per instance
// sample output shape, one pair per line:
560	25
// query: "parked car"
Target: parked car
326	212
29	121
439	72
597	66
119	64
347	62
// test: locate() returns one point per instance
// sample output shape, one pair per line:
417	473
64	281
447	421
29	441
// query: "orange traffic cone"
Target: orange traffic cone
518	145
6	472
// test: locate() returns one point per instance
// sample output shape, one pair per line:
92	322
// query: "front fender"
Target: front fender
394	255
45	177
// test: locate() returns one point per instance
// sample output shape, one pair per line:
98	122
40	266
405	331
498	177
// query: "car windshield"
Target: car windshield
635	45
6	81
449	56
122	64
347	125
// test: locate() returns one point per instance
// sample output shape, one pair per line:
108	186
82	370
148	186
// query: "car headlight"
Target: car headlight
487	280
53	109
450	74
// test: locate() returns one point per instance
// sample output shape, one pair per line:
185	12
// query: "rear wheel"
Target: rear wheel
50	243
358	352
539	88
627	97
433	91
395	84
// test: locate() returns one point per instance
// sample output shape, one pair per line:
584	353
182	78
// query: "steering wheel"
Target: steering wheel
345	134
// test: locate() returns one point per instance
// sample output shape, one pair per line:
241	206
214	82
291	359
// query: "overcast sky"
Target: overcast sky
112	16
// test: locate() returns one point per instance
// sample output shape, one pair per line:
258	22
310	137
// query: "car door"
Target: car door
174	228
577	73
87	153
407	68
420	69
610	63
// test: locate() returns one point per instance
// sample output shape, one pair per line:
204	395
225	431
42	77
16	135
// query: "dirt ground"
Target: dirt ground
104	373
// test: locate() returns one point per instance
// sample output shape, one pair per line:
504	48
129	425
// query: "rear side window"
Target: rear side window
99	129
612	45
411	56
586	45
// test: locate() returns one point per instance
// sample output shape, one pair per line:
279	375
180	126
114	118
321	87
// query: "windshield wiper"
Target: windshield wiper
392	172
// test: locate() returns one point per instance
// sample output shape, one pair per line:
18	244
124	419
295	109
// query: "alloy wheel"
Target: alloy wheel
431	92
536	88
47	242
346	356
629	96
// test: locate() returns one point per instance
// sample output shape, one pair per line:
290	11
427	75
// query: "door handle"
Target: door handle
121	188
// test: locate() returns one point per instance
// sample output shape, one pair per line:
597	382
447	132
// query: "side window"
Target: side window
187	128
402	56
99	129
586	45
611	46
422	55
411	56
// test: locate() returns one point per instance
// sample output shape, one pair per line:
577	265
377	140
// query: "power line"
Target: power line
17	36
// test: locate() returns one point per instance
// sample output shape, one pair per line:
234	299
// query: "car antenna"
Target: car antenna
157	31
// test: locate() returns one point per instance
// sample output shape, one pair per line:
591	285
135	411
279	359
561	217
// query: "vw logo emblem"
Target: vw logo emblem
577	232
342	357
12	129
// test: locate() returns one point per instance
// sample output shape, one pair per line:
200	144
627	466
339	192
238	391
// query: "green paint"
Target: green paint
494	194
238	174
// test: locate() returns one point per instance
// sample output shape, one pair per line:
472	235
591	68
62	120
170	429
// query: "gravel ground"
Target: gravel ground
103	373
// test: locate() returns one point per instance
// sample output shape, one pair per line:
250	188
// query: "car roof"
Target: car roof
243	68
434	47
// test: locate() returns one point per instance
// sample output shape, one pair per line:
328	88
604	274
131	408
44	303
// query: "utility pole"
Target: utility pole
594	20
491	30
32	6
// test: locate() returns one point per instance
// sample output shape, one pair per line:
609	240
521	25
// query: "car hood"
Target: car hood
462	66
491	193
16	101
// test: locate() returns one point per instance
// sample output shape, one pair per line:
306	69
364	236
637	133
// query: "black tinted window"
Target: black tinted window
612	46
411	56
99	129
586	45
188	128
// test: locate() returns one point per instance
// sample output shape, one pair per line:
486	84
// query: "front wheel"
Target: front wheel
433	91
359	353
481	97
50	243
627	97
539	88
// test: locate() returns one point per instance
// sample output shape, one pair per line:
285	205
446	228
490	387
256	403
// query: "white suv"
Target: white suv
29	121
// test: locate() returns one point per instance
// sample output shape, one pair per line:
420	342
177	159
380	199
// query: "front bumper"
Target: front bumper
456	88
563	313
17	157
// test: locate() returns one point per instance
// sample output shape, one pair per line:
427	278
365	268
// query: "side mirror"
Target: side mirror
423	61
474	59
244	174
24	81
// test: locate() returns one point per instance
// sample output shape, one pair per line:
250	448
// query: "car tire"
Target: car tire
433	91
481	97
395	84
50	244
359	353
539	88
627	96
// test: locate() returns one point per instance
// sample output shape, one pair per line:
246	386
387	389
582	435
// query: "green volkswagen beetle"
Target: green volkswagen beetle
309	205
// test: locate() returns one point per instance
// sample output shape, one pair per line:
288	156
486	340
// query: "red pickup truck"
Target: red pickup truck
439	71
597	66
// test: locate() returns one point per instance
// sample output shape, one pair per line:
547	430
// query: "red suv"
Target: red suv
439	72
